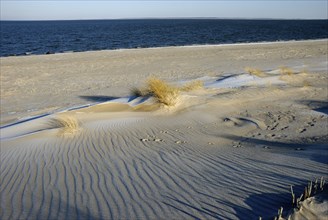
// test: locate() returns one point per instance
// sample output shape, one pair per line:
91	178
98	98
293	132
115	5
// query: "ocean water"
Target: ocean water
41	37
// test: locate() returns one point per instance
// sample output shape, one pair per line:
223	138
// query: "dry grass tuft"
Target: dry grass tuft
306	84
286	71
191	86
66	124
304	72
311	189
255	72
163	92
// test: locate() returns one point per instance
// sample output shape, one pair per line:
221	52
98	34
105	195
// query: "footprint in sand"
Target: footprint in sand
242	122
144	139
293	117
237	145
258	134
274	126
310	124
302	130
284	128
270	136
147	140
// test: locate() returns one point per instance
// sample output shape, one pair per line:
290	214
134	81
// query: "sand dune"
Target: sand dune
229	150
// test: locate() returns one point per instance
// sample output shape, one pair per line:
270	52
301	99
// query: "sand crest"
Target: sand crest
229	150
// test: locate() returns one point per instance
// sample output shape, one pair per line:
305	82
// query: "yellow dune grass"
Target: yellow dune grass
66	124
162	91
255	72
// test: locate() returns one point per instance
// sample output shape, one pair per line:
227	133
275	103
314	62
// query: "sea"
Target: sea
48	37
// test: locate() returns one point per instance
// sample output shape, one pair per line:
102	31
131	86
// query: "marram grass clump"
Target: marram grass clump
162	91
254	72
66	124
306	84
286	71
191	86
311	189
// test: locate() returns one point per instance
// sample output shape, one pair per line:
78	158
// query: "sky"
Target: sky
107	9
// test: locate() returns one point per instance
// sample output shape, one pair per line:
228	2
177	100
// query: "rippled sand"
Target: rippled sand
230	150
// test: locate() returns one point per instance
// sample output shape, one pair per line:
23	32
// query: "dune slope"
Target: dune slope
230	150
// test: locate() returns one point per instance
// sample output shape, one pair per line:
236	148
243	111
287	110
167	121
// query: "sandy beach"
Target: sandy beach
229	149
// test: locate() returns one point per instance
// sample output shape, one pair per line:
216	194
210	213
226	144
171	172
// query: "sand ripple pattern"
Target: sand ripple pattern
107	172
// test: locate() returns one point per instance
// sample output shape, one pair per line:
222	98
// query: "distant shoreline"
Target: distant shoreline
174	18
183	46
21	38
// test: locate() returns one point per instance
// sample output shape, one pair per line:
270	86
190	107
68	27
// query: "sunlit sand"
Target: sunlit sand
225	137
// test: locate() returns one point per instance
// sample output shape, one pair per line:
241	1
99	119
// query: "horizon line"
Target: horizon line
165	18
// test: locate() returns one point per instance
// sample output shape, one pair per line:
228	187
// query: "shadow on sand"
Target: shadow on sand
99	98
54	208
315	105
213	206
314	151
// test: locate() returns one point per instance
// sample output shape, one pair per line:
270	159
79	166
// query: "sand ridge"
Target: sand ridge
228	151
75	79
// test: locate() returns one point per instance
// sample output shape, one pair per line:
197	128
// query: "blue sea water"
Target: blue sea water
41	37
